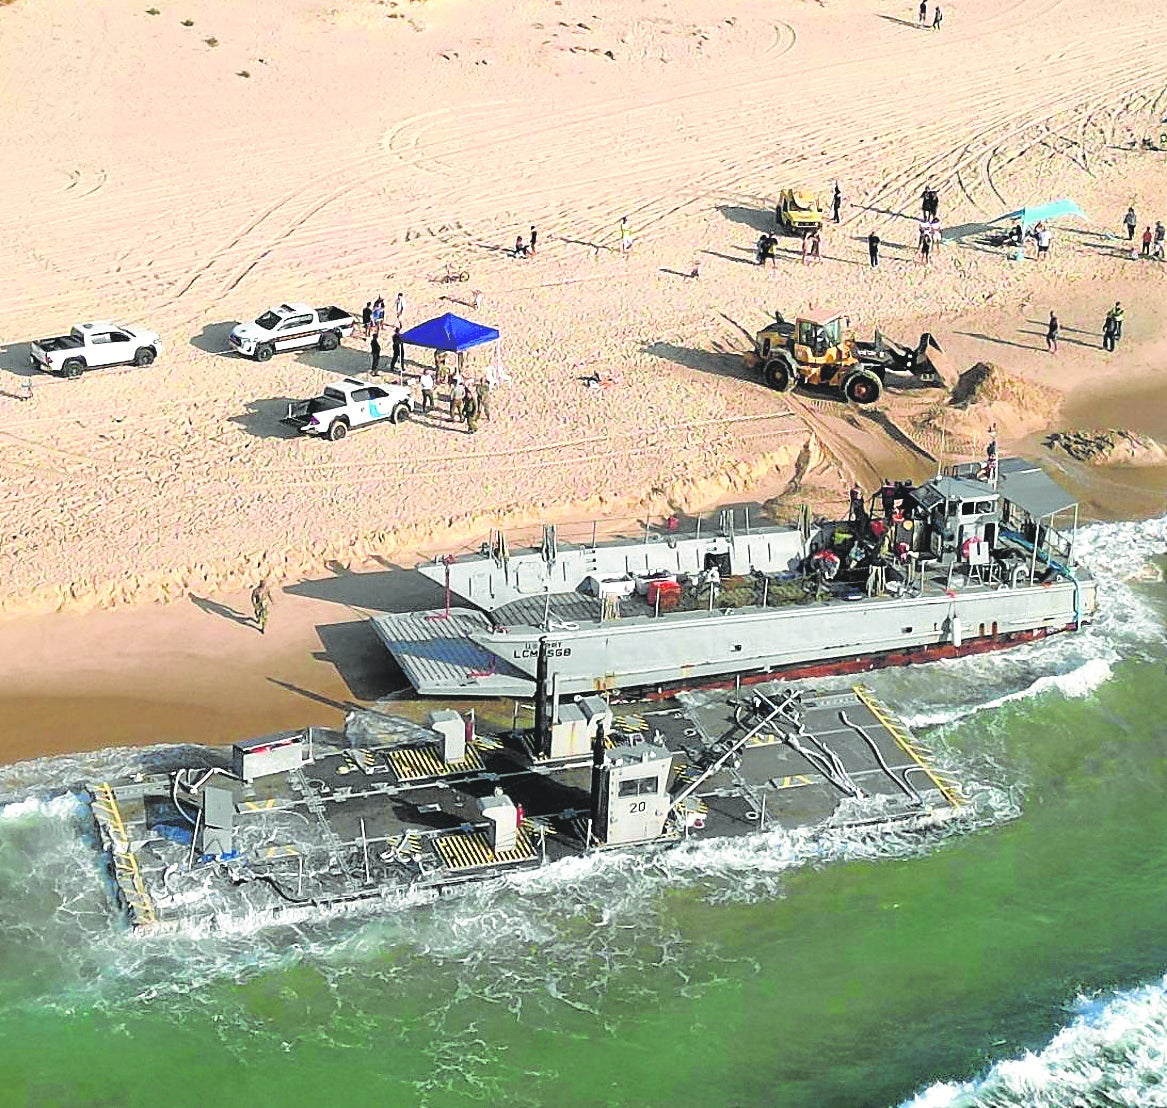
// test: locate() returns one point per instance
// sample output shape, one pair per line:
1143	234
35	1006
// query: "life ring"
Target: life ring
698	823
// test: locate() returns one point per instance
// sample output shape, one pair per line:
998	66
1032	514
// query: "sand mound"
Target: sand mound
987	383
1108	448
984	397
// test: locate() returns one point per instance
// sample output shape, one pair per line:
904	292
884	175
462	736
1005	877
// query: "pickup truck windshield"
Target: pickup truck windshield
268	321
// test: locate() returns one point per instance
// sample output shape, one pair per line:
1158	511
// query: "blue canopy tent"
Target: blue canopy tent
1027	216
450	332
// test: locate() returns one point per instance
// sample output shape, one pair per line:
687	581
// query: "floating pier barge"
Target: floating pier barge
389	810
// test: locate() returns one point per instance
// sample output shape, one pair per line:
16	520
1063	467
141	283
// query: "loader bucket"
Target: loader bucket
920	361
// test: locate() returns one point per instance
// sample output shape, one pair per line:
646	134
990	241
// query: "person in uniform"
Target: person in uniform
261	605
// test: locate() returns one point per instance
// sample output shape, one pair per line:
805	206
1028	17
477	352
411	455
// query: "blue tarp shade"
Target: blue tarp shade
1055	208
449	332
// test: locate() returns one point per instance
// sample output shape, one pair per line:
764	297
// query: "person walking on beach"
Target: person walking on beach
400	306
378	313
1130	222
375	355
426	382
398	356
937	16
367	317
930	202
534	234
470	411
1147	239
923	11
873	249
625	236
261	605
836	202
1051	334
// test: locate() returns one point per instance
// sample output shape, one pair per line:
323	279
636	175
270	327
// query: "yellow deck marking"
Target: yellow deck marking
472	851
259	805
795	781
125	865
413	762
909	748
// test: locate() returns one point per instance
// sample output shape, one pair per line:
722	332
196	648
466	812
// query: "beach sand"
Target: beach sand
203	162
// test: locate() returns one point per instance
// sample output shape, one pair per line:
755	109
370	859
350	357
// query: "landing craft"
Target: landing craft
976	559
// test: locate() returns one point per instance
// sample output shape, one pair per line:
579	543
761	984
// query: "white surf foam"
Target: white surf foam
1112	1054
1076	684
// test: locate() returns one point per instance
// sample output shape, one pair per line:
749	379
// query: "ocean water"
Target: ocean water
1016	959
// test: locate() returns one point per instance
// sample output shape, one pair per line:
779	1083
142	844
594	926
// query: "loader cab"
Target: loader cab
822	344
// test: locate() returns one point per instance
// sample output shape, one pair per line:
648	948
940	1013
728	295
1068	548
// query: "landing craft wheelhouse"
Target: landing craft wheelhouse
976	559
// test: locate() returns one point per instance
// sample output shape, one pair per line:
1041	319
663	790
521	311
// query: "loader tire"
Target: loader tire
862	388
780	375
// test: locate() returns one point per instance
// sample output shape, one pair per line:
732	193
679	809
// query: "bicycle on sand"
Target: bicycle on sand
450	276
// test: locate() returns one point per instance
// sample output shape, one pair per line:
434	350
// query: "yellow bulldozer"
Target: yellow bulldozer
825	352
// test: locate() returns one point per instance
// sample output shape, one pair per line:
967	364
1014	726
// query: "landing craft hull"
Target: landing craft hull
682	648
464	656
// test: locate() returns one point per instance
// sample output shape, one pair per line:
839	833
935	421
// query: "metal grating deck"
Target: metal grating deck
472	851
438	657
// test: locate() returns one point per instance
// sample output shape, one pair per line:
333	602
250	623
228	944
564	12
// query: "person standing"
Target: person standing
1130	221
923	11
398	355
836	202
1041	234
805	246
482	394
816	245
367	317
1147	239
534	233
427	391
400	306
873	249
520	247
1051	334
1119	316
378	313
937	16
1160	231
261	605
1108	328
457	395
375	355
625	236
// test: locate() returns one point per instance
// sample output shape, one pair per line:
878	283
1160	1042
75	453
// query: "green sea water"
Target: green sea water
878	972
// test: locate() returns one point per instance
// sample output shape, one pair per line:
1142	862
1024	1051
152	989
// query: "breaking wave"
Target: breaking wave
1111	1054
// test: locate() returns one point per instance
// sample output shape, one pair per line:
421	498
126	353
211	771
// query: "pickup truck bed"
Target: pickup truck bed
300	412
59	342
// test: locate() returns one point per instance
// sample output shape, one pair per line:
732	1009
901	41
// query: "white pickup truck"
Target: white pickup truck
292	327
347	404
91	345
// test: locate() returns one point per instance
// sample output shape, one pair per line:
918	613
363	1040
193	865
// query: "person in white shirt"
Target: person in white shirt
427	391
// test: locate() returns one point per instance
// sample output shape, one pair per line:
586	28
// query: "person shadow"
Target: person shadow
214	608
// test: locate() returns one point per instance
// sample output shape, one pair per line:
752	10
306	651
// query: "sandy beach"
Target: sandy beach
207	160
